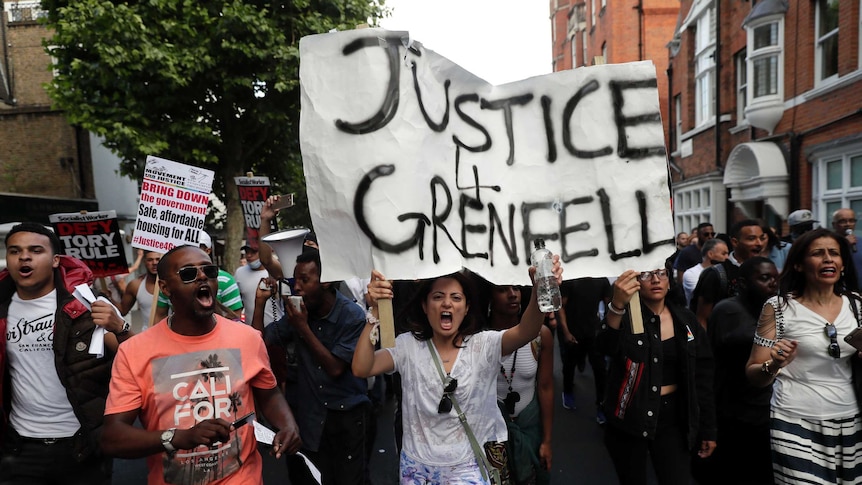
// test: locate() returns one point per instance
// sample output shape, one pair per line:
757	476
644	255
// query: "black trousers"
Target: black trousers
743	456
575	355
27	461
342	456
668	451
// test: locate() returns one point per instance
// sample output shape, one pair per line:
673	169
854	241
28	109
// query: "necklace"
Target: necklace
512	397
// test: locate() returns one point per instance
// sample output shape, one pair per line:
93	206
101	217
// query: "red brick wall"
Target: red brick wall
39	150
817	120
617	27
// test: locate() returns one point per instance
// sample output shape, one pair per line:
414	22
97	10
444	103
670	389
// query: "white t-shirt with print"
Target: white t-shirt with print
439	439
40	408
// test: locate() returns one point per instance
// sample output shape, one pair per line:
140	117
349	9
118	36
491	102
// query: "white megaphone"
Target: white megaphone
287	245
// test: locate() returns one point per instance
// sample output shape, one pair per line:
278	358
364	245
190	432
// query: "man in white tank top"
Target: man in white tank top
142	293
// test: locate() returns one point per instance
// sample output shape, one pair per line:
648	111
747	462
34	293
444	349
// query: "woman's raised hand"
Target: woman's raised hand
378	288
625	287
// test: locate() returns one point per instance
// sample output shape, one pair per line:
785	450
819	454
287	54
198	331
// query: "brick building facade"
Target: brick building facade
45	164
785	80
616	32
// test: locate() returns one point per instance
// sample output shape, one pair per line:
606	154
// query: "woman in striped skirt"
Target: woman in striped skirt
799	349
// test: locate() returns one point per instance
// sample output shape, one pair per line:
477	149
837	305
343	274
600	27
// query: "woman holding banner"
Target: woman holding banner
445	362
659	401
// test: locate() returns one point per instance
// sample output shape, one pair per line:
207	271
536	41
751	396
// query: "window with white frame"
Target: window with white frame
691	206
765	61
592	13
741	85
574	49
704	49
826	35
838	182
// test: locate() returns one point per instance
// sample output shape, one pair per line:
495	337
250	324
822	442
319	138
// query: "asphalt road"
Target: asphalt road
579	455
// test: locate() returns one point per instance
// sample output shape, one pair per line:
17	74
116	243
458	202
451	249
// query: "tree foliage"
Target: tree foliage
213	84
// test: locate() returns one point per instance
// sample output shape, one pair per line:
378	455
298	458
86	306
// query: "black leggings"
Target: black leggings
667	451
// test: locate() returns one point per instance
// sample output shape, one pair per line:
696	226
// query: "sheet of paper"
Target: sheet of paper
266	435
85	295
263	434
97	342
313	469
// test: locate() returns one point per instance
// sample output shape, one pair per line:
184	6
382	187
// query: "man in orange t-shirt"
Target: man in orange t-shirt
187	379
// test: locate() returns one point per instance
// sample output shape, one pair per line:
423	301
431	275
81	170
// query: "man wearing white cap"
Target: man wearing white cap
800	222
228	292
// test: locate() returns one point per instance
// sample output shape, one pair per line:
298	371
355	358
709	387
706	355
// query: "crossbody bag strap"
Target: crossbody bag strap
484	466
852	298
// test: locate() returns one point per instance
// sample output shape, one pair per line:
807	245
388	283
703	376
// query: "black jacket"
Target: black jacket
85	376
635	375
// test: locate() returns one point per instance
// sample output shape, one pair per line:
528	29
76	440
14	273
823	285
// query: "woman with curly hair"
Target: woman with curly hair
445	338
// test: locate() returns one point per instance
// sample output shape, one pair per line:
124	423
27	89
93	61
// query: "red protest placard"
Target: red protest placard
94	238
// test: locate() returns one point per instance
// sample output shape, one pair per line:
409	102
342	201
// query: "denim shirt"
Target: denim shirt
314	392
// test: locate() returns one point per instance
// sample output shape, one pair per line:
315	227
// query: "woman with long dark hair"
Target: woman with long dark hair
659	402
799	350
525	390
445	362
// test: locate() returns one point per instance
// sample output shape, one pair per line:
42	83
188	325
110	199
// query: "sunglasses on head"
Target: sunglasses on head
445	402
833	349
188	274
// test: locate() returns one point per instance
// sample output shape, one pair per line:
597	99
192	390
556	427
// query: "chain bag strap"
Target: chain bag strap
484	467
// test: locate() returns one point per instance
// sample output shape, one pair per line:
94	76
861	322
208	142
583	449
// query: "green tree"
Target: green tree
213	84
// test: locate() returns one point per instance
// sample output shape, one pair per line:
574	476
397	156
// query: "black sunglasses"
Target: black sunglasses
445	402
188	274
832	333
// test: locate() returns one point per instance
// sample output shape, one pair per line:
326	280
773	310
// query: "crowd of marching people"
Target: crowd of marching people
729	364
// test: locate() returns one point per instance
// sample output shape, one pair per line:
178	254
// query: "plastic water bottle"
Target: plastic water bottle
547	291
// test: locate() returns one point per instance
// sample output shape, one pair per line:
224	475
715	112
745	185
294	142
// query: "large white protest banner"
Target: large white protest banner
173	205
416	167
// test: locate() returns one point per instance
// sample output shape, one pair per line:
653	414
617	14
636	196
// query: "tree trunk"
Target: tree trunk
235	223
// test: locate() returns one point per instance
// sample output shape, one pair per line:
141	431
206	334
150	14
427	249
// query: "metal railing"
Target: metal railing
24	11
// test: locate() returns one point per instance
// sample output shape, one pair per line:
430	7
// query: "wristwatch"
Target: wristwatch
167	436
125	329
